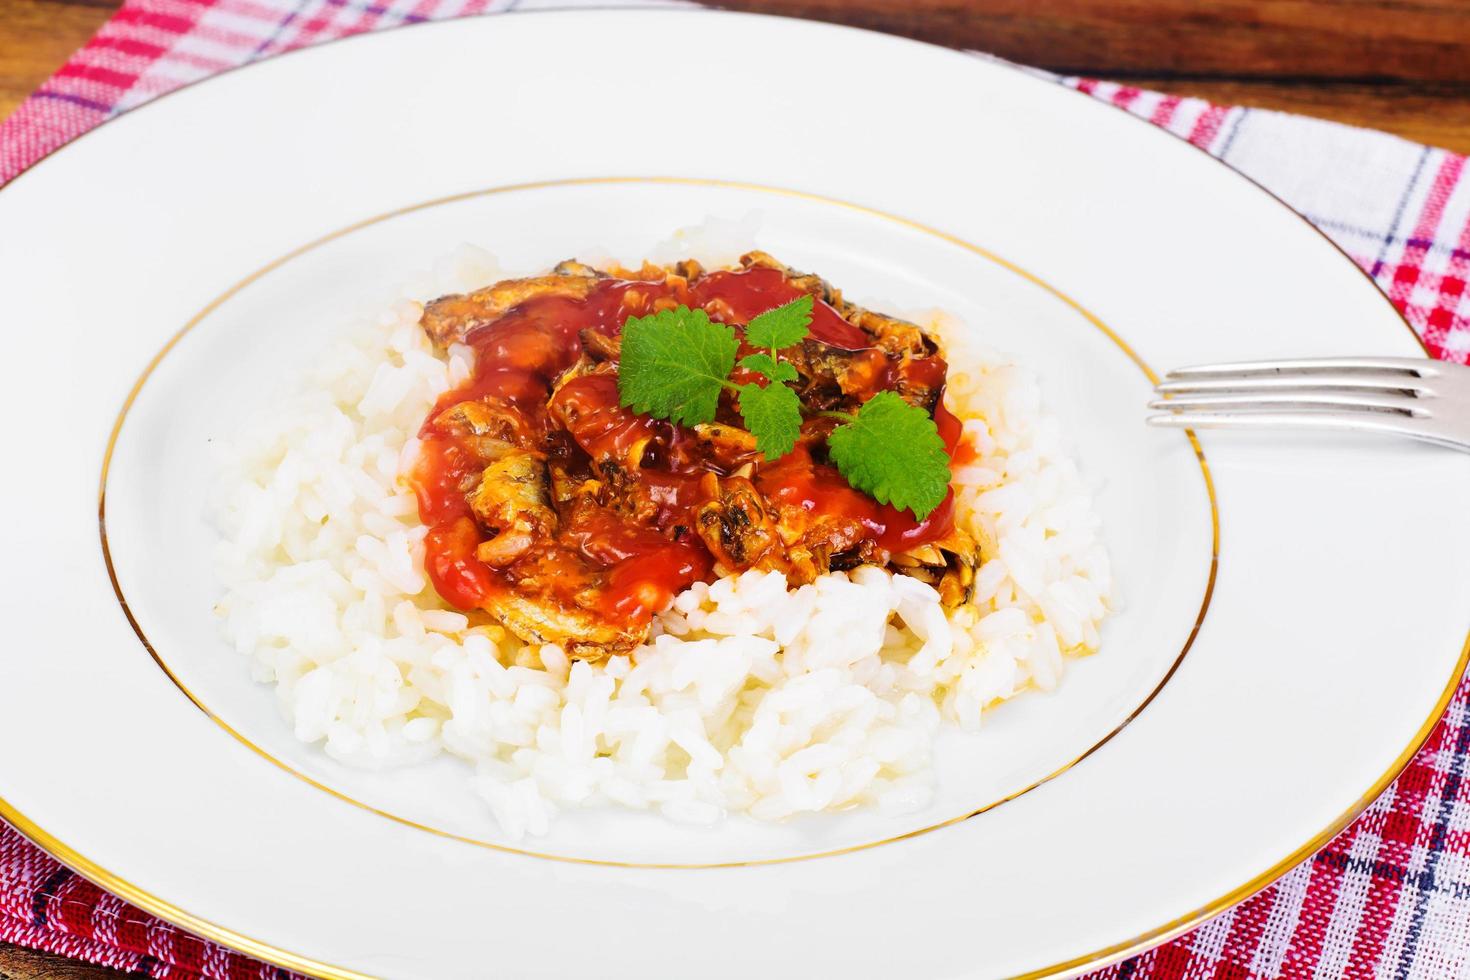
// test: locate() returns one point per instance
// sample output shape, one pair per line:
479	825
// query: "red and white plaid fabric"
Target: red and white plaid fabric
1389	898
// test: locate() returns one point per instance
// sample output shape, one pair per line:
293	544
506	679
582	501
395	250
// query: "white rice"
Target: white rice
748	697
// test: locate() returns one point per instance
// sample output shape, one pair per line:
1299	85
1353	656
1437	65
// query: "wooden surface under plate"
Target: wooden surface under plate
1397	65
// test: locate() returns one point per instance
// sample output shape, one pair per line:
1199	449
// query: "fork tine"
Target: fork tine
1373	381
1346	421
1346	399
1421	367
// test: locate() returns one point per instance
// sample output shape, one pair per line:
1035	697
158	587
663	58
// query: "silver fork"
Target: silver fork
1421	399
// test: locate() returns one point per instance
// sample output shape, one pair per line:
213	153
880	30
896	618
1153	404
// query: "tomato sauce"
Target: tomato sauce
627	556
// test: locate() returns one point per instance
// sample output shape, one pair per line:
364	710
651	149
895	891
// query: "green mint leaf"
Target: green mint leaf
768	366
773	416
781	327
673	365
892	451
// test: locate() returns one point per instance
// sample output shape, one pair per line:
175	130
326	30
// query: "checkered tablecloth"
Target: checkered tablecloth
1388	898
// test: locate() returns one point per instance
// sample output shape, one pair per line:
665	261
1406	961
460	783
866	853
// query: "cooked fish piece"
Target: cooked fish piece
614	437
832	375
488	427
897	337
817	545
893	335
816	361
566	485
947	564
862	371
866	552
688	269
480	417
571	267
513	500
918	395
615	489
599	346
737	525
647	272
584	365
584	635
813	284
449	319
731	446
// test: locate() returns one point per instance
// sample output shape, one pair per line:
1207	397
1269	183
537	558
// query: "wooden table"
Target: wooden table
1396	65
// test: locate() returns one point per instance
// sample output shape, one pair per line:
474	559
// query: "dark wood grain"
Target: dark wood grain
25	964
1409	40
36	36
1397	65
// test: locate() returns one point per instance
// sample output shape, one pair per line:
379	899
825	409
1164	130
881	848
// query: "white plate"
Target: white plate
1288	638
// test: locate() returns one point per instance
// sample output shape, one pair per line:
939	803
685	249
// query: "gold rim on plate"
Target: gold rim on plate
295	253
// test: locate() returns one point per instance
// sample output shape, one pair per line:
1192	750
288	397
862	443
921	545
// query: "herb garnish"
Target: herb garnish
892	451
675	363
